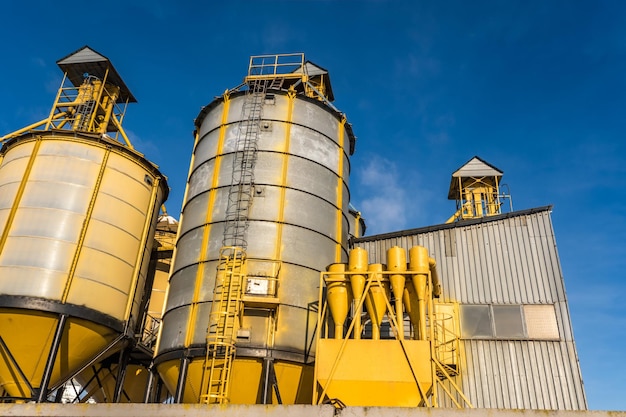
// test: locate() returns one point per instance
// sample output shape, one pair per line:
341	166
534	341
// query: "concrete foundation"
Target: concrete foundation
194	410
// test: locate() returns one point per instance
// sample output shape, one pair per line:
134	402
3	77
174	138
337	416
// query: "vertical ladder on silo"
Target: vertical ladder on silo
223	325
242	185
228	294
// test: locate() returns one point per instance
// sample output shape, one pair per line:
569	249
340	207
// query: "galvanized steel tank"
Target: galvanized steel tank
77	216
297	225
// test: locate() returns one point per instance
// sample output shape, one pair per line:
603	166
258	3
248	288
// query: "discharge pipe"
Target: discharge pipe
434	276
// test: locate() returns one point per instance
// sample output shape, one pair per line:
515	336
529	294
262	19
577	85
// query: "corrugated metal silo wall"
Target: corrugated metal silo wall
509	259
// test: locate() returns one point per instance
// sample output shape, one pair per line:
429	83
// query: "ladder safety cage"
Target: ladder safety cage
241	188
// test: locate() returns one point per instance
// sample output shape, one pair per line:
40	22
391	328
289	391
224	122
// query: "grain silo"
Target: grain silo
266	212
78	210
267	199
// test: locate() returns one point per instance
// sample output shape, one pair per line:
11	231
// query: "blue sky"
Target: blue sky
536	88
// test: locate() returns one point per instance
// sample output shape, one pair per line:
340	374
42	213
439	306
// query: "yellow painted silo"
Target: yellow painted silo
265	209
78	210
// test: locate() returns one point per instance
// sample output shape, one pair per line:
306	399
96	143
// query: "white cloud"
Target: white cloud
386	202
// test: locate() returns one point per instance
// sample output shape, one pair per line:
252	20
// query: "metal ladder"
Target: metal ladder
223	325
86	107
242	185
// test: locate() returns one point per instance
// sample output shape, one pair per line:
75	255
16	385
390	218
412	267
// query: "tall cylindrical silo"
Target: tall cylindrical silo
296	223
78	212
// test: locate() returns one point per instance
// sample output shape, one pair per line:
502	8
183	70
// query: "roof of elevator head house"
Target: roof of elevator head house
86	61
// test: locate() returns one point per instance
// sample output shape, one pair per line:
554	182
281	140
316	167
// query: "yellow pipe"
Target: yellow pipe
357	262
291	96
30	127
434	276
396	262
477	200
108	111
99	86
339	225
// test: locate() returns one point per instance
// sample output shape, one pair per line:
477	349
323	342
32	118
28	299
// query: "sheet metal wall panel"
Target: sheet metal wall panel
511	259
494	257
521	375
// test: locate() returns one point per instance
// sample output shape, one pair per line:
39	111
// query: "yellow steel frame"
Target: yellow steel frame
287	66
440	373
478	197
64	112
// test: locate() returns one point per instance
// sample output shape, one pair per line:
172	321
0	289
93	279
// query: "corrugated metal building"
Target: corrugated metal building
516	333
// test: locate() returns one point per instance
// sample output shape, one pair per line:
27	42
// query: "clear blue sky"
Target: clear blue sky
536	88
